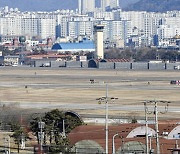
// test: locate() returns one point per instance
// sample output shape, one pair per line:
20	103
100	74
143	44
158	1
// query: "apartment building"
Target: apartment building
88	6
141	26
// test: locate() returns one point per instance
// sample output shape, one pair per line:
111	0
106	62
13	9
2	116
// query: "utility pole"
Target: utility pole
122	147
106	99
64	134
157	129
22	135
41	134
156	122
9	144
146	121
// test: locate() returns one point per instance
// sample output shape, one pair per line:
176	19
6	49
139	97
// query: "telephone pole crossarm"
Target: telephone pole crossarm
106	100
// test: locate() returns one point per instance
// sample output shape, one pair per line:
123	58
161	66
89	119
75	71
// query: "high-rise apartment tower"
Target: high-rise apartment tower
109	3
88	6
80	6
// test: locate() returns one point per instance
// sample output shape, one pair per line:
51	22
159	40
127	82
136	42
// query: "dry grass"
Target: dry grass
72	86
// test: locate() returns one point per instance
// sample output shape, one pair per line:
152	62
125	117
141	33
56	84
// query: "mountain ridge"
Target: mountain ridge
154	5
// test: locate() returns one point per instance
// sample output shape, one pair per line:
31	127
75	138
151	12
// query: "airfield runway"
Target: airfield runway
71	89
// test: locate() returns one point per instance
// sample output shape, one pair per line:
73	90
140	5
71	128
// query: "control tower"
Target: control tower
98	39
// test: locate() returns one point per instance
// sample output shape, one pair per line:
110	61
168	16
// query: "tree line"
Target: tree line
142	54
136	54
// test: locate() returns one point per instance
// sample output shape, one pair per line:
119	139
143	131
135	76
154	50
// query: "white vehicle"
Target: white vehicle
14	65
177	67
46	65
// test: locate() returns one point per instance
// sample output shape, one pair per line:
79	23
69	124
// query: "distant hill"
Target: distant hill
154	5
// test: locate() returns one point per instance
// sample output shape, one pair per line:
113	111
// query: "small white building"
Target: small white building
11	60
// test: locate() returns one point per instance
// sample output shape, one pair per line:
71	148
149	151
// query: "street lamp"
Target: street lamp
113	144
106	99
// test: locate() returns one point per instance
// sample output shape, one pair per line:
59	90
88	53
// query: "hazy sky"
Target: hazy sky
47	5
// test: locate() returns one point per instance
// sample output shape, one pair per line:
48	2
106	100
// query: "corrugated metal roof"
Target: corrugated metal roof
85	45
115	60
46	56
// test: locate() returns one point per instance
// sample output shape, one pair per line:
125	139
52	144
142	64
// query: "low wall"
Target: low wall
73	64
139	66
156	66
58	64
170	66
105	65
84	64
42	63
123	65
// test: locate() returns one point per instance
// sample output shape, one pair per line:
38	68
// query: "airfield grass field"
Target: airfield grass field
71	89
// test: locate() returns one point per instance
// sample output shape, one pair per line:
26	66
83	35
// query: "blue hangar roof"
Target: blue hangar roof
84	45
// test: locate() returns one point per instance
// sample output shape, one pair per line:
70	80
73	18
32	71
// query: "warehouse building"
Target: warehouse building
84	45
